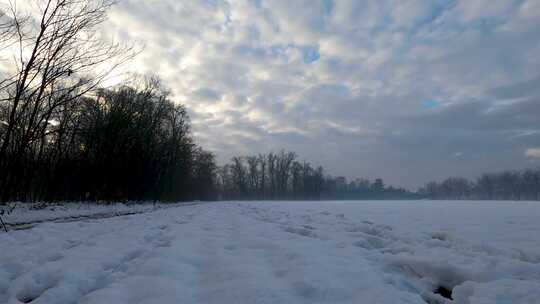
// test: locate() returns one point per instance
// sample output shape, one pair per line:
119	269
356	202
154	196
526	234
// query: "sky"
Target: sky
408	91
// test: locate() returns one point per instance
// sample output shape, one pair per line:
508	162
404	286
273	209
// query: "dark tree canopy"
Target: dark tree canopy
120	144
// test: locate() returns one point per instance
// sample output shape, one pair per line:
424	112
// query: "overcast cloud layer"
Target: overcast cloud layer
404	90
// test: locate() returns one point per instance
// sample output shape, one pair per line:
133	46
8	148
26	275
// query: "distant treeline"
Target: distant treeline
281	175
507	185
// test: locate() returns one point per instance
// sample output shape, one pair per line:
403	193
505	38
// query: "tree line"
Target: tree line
124	143
63	136
506	185
282	175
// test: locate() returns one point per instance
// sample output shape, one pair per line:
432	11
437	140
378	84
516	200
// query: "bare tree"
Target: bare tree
6	26
253	175
271	164
239	176
59	56
283	166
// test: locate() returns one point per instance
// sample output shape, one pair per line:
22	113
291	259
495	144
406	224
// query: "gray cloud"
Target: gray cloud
404	90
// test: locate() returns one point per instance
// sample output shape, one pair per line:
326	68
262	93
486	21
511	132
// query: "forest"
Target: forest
274	176
65	135
506	185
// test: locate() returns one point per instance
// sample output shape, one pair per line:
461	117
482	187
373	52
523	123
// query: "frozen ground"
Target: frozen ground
282	252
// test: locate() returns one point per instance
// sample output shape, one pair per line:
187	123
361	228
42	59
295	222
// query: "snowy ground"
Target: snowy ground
282	252
16	214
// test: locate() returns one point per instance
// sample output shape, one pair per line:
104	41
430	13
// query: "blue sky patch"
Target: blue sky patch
311	54
431	104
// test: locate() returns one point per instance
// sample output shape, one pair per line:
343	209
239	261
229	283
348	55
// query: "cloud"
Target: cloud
483	9
366	88
533	152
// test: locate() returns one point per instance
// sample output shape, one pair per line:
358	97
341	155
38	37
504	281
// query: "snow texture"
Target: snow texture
282	252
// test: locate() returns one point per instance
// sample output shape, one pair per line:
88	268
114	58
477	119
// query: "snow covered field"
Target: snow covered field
282	252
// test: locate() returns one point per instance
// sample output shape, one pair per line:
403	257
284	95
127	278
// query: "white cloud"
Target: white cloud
533	152
527	16
478	9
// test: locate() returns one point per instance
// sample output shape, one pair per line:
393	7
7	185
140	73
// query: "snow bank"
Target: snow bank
21	213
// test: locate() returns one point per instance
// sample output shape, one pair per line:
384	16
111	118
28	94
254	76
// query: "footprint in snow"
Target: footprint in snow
371	243
32	285
164	241
55	257
71	244
132	255
301	231
163	227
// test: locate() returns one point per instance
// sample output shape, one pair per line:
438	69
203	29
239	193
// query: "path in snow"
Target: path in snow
20	216
320	252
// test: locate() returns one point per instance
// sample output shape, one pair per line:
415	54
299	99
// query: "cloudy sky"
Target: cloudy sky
404	90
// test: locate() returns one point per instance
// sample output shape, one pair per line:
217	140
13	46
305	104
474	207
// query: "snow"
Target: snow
282	252
21	213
